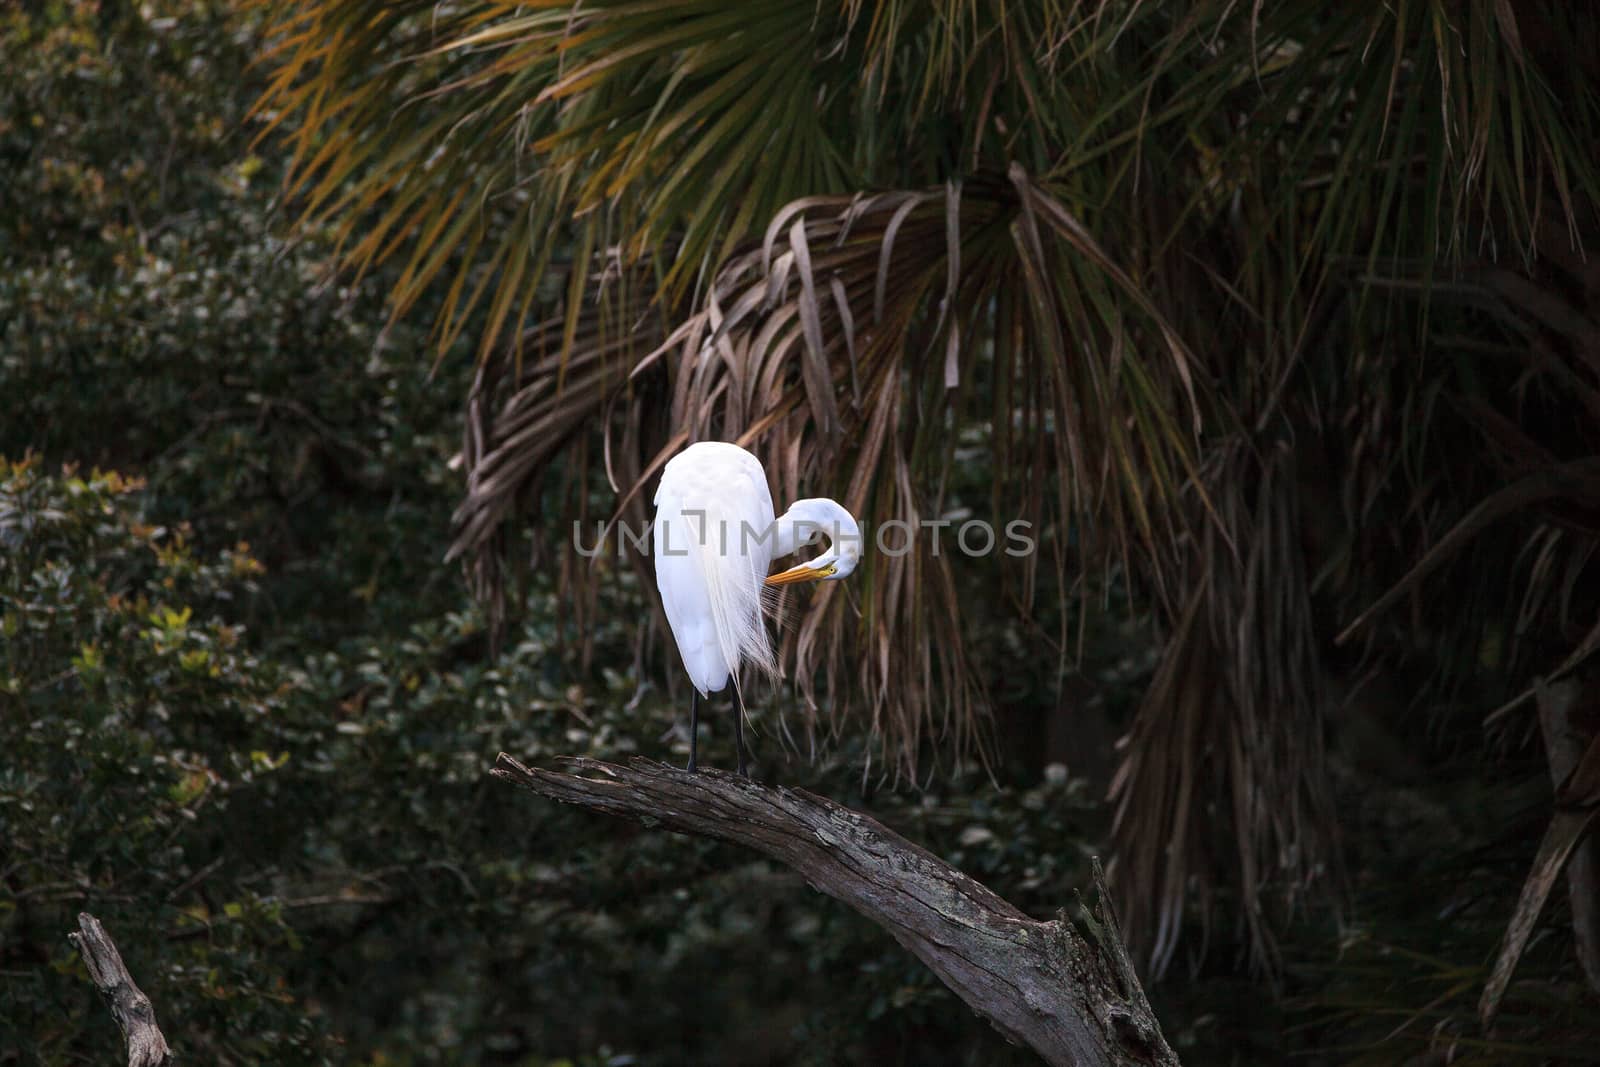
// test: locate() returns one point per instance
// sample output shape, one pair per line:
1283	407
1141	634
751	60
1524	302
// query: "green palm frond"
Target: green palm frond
483	137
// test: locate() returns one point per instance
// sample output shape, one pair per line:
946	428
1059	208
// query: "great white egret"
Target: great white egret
715	537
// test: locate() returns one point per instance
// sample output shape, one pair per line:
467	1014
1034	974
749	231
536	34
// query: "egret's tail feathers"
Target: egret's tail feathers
735	580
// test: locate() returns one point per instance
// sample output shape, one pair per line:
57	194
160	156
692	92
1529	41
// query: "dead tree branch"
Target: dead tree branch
1072	998
129	1006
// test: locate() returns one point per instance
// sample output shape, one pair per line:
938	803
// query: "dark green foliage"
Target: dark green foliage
150	318
141	736
305	861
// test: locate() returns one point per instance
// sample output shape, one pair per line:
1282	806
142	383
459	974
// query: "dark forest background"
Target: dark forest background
246	708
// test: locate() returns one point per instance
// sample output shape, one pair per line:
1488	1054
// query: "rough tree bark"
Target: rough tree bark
129	1006
1074	999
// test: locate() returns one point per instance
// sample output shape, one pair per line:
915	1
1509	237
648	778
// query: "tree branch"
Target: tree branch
129	1006
1073	1000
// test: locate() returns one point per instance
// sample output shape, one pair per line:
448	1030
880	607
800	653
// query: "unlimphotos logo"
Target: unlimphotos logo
894	538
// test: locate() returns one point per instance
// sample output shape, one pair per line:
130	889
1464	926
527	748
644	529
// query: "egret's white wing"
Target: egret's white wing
713	548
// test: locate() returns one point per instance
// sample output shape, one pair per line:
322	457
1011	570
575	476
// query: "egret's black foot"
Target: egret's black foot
694	732
738	730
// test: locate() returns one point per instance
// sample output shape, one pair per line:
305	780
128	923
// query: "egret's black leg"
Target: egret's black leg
694	727
738	728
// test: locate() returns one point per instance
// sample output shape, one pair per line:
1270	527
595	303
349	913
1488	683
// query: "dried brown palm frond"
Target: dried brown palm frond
539	404
806	348
1513	557
1240	685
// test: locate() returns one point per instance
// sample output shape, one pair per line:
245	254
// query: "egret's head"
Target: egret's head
815	519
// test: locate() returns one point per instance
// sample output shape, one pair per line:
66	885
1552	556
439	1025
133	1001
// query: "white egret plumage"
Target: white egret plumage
715	537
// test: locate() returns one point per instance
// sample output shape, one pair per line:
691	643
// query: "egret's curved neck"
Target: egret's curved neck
807	518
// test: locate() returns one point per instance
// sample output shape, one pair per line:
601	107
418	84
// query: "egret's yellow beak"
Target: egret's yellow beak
803	573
